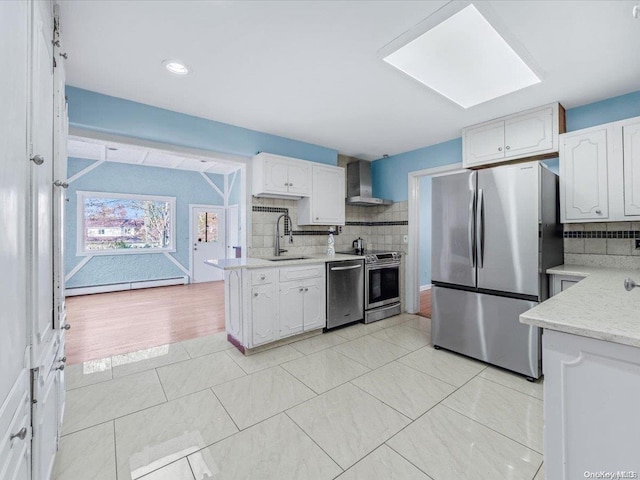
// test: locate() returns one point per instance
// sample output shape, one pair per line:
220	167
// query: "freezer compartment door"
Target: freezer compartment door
507	229
486	327
453	229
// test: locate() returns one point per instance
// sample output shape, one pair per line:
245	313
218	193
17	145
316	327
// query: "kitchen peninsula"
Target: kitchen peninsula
273	300
591	363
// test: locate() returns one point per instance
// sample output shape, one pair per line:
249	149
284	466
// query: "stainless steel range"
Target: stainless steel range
381	285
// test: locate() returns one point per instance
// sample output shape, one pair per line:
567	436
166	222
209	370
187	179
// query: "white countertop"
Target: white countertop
597	307
253	262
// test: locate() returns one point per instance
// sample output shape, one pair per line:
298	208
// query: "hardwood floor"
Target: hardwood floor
108	324
425	303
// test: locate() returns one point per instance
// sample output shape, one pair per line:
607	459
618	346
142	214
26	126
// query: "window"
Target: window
114	223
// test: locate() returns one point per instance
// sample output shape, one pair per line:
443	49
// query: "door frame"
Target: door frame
193	206
412	285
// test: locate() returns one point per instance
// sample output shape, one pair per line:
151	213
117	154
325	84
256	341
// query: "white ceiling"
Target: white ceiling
309	70
80	147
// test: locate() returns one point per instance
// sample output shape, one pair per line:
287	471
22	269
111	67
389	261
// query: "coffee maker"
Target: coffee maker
358	244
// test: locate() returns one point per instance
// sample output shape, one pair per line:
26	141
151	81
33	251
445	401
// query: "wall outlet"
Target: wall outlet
405	239
637	243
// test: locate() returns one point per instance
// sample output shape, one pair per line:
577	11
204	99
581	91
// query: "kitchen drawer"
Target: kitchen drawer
300	273
262	277
15	418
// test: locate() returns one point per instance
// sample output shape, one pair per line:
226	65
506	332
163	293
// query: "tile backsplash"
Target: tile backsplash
381	227
602	244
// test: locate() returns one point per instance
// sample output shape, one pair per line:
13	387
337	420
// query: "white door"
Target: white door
328	192
233	230
583	176
291	308
207	242
314	305
529	133
42	177
15	391
263	314
483	144
631	152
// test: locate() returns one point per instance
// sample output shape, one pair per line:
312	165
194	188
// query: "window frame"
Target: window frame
81	249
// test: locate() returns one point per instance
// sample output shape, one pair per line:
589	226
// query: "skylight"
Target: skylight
464	59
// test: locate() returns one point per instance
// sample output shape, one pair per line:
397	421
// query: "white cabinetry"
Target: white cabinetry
584	175
600	173
631	159
560	283
280	177
326	205
591	398
265	305
533	133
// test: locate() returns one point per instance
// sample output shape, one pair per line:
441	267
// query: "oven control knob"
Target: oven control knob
371	258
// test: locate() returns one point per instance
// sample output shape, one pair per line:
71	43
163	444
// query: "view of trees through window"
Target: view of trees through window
121	222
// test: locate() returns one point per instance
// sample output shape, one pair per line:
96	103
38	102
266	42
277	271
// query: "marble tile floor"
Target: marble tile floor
364	402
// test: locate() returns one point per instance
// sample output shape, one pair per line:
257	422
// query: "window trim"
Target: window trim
81	251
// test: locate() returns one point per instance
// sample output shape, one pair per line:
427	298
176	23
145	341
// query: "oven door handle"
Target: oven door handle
386	265
352	267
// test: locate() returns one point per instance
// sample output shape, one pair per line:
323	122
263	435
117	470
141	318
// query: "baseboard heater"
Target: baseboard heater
119	287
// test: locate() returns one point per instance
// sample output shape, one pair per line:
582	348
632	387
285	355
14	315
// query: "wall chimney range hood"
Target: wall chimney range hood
359	191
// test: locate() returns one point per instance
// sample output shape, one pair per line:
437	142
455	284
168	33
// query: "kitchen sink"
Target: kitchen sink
282	259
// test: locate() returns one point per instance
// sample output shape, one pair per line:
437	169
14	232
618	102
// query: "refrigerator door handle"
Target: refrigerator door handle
472	216
480	228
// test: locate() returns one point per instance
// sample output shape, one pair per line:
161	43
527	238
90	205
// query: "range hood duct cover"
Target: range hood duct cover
359	191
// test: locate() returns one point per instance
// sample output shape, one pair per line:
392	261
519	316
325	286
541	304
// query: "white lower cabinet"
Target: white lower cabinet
265	305
591	398
15	420
264	314
559	283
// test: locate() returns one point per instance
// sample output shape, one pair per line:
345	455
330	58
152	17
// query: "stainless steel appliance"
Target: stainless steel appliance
359	188
345	292
494	234
358	245
382	285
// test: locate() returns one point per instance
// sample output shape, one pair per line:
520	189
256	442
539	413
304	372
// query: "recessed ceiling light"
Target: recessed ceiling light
176	67
464	59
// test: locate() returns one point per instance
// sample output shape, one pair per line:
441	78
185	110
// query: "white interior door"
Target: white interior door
233	230
208	241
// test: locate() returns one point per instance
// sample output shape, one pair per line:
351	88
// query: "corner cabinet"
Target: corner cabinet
269	304
530	134
326	205
276	176
600	173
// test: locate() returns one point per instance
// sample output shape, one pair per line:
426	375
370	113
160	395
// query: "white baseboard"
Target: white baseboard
425	287
119	287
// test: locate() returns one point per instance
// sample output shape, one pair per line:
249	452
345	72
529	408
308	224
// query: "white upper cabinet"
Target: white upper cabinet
280	177
533	133
326	205
600	173
584	173
631	158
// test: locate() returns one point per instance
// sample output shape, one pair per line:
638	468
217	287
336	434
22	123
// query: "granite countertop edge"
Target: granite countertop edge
256	262
597	307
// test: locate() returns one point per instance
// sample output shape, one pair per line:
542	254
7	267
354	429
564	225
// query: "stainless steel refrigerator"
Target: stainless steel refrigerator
494	234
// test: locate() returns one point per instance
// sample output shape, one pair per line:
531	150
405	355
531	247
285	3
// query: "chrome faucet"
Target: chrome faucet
277	250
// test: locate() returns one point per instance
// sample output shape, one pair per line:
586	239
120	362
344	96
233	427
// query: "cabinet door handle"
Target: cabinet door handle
262	277
58	183
306	289
22	434
629	284
499	149
66	326
255	294
507	147
61	367
599	212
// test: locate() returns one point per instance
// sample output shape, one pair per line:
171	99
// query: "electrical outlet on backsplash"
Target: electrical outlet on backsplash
382	227
602	244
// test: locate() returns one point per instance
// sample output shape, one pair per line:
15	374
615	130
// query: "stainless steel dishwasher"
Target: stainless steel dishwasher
345	292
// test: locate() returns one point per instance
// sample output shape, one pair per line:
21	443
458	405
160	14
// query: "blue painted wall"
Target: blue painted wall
389	175
102	113
188	187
